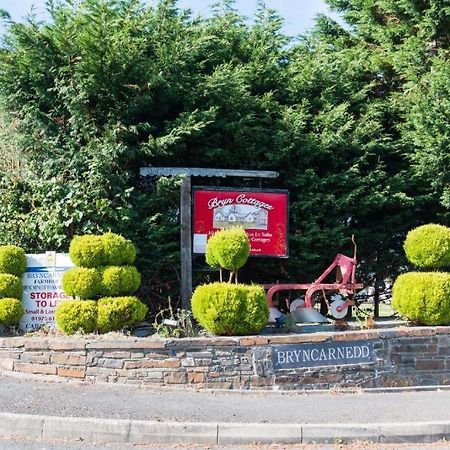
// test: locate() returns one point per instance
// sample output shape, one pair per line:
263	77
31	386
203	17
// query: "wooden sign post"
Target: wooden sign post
185	211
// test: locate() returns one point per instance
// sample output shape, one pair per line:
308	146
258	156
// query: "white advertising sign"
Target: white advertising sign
42	288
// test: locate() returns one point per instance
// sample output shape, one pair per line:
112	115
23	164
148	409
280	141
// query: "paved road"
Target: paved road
144	403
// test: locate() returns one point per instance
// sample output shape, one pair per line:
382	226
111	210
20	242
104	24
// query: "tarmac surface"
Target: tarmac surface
113	401
129	416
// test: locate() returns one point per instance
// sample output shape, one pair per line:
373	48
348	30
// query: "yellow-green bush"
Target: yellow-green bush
12	260
87	251
105	271
120	280
108	249
116	313
210	255
74	316
423	297
428	246
82	282
10	286
11	311
228	248
118	251
230	309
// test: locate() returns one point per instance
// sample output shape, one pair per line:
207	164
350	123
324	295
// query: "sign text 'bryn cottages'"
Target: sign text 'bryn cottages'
262	213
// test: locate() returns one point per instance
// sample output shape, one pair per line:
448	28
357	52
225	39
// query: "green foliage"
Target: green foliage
12	260
76	316
423	297
178	323
102	250
427	124
82	282
93	280
428	246
230	309
10	153
120	280
162	88
343	161
11	311
116	313
87	251
118	250
210	254
10	286
228	248
355	120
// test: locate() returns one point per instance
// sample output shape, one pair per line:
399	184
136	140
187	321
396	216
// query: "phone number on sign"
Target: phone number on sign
42	319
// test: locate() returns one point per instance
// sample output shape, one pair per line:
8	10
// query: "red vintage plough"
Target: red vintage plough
345	285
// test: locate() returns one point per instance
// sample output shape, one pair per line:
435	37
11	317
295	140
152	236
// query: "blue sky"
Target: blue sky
298	14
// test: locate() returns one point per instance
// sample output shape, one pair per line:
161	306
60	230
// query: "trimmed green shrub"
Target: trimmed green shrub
11	311
228	248
12	260
87	251
109	249
82	282
115	313
428	246
210	254
10	286
230	309
105	270
120	280
423	297
74	316
118	251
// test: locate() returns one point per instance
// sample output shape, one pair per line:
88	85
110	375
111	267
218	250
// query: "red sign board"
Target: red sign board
262	213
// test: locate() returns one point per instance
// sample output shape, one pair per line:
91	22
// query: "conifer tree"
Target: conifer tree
353	117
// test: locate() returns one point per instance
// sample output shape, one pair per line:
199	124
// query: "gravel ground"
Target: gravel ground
143	403
7	443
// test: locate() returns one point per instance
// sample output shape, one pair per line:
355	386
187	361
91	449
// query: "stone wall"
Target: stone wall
418	356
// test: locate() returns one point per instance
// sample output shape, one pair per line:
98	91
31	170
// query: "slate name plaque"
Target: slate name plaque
322	354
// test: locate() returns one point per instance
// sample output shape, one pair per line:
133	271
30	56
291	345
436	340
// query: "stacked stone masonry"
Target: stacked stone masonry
403	357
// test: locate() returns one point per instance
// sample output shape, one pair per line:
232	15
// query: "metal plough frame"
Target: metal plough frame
345	281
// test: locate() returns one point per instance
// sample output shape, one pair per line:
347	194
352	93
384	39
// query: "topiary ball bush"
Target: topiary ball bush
118	251
11	311
76	316
82	282
10	286
228	248
87	251
116	313
210	253
12	260
230	309
423	297
428	246
120	280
